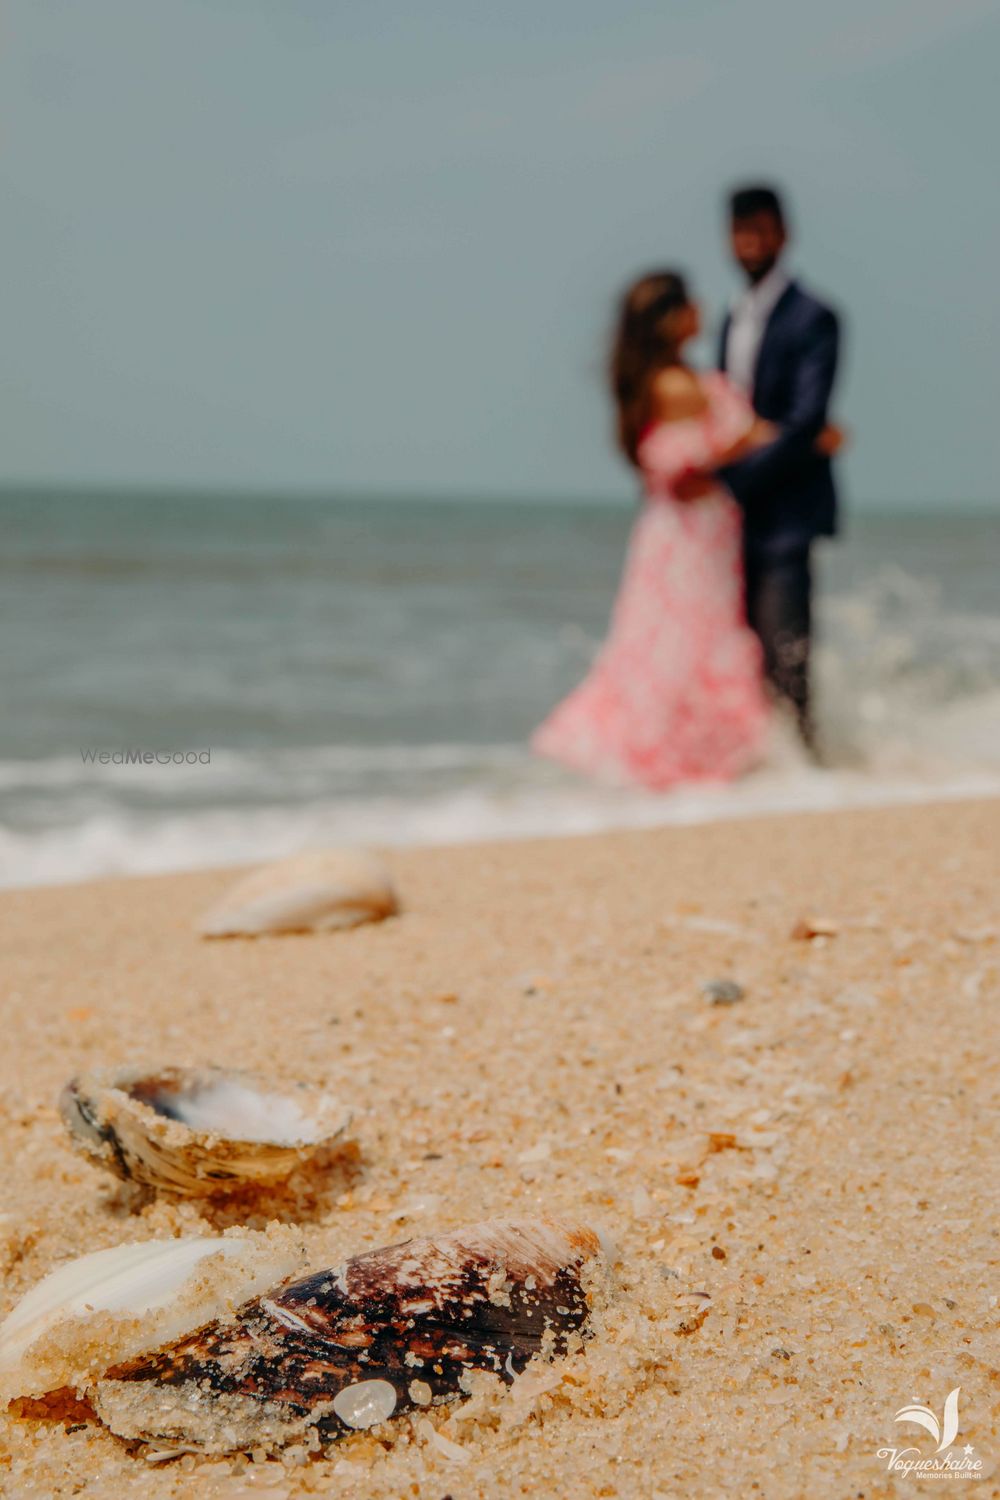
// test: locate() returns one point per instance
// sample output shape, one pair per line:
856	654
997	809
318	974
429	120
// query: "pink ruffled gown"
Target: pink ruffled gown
676	693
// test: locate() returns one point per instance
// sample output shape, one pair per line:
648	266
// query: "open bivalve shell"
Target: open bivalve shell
195	1132
314	891
114	1305
337	1351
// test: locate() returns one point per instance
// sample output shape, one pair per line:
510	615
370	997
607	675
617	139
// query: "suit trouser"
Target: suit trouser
779	611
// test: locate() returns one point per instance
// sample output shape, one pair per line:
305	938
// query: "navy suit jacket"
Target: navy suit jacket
786	489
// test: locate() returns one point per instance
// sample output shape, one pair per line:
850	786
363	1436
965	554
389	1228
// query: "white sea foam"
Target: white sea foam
506	795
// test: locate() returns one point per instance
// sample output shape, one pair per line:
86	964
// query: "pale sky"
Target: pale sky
311	244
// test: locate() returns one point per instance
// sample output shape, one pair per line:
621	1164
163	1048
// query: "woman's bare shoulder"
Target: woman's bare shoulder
678	394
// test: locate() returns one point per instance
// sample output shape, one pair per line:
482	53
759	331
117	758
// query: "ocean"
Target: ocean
287	671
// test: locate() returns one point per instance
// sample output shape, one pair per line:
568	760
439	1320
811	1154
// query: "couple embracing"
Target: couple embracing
711	626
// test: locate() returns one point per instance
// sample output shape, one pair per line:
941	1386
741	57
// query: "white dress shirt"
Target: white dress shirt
747	322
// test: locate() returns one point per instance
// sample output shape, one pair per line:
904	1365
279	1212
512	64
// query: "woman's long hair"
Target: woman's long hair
645	342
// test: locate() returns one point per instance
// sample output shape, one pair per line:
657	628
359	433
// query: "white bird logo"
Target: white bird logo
944	1433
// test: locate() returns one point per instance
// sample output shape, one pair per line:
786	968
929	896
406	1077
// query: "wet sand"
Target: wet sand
802	1184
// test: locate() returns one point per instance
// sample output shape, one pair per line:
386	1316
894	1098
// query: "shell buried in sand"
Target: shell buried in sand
335	1352
115	1304
310	892
195	1132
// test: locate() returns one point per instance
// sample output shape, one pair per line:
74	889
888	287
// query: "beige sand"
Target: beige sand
804	1184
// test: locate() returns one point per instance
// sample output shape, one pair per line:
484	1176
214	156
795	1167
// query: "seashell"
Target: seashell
346	1349
116	1304
198	1131
314	891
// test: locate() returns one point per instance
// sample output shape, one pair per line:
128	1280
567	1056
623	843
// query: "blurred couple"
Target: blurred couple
711	627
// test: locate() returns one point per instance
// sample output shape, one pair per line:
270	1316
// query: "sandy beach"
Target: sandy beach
802	1184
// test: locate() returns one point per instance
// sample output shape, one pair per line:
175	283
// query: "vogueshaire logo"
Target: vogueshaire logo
945	1462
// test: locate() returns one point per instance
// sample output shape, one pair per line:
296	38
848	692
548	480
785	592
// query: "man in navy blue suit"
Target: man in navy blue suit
780	345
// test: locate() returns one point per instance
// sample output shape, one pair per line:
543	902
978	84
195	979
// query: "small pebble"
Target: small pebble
366	1403
722	991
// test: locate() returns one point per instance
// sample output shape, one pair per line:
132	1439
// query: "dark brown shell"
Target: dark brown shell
416	1316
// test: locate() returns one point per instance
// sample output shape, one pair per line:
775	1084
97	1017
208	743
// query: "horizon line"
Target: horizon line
142	490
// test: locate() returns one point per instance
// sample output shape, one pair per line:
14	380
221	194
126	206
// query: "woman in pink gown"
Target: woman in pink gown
676	693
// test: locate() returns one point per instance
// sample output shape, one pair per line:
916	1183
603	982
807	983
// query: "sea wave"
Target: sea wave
100	837
385	692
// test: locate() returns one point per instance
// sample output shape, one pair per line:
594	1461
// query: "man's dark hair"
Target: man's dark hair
744	202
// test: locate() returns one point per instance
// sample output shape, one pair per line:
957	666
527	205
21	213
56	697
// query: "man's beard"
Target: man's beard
756	273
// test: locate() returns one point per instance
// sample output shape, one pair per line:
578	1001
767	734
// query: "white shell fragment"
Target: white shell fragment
444	1445
116	1304
195	1132
366	1403
315	891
